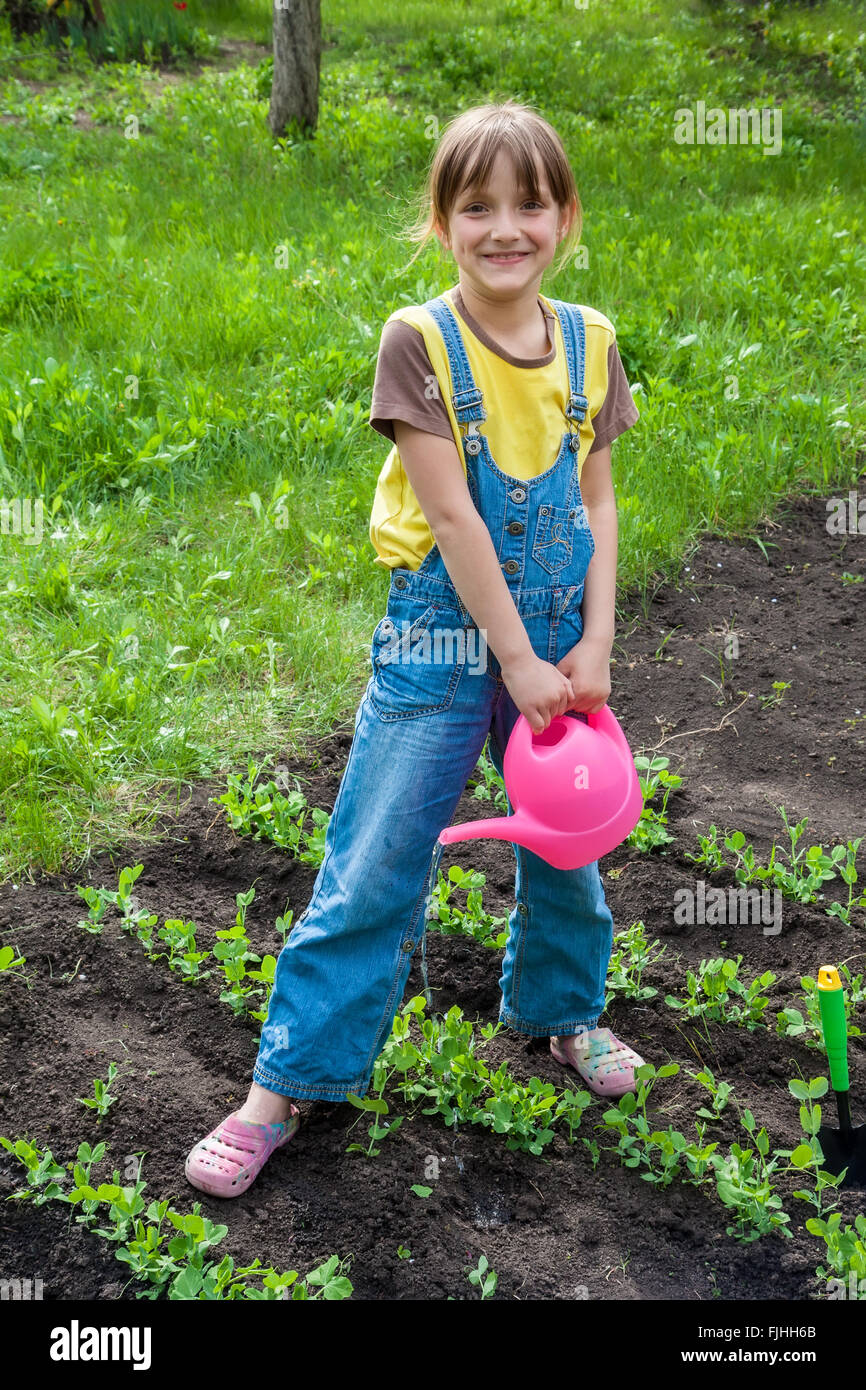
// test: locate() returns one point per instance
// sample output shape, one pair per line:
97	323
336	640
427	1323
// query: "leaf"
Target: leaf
187	1284
802	1156
420	1190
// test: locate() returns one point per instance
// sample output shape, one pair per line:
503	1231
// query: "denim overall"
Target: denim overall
419	731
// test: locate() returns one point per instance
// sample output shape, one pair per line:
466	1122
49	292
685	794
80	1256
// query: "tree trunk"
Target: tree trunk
297	50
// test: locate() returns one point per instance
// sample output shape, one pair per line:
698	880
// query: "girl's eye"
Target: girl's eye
533	202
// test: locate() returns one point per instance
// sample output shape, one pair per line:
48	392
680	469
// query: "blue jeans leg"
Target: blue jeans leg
341	975
560	932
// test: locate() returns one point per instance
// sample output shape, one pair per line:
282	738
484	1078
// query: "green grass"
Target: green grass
190	401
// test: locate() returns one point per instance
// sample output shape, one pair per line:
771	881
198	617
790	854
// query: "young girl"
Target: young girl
502	406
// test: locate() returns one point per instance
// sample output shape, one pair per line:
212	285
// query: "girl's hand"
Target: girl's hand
587	667
539	690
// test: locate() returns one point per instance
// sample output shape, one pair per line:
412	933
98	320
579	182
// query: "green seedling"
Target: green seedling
265	813
594	1151
43	1174
165	1263
489	786
638	1141
720	1092
182	955
122	899
103	1099
809	1156
232	950
376	1106
744	1183
845	1249
520	1111
97	902
848	874
650	830
628	963
710	850
482	1279
473	921
403	1253
284	924
779	688
715	992
801	878
791	1023
10	962
570	1108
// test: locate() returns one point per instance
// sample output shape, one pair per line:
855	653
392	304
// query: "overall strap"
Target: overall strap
467	400
574	337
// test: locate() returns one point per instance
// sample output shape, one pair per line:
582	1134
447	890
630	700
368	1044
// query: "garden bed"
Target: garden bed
552	1226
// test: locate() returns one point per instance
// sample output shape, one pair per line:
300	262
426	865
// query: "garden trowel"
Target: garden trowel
844	1147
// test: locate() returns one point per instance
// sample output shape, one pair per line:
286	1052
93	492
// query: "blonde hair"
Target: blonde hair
466	153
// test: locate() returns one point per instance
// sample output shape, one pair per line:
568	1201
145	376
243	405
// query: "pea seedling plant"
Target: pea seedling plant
474	922
713	990
791	1023
102	1099
650	830
802	878
171	1265
809	1156
628	963
265	813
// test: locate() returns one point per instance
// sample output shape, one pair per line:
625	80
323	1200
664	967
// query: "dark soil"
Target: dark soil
548	1225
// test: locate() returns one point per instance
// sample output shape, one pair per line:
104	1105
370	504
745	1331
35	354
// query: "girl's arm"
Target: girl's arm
587	665
435	473
599	595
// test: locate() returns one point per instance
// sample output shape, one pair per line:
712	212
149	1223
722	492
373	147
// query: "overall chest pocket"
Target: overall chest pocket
554	537
417	662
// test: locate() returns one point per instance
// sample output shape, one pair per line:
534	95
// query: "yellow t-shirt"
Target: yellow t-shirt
524	426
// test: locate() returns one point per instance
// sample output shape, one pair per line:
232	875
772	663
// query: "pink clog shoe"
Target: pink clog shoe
229	1159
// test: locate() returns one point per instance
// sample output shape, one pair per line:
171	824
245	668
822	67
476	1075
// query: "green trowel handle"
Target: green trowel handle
831	1001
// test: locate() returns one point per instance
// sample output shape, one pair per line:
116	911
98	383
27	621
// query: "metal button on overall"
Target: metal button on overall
517	494
511	566
516	528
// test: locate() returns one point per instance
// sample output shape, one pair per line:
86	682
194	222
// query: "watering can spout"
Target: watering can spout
497	828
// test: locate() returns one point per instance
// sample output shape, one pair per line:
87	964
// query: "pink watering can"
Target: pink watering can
574	789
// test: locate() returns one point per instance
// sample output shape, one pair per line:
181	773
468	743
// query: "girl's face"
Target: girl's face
502	239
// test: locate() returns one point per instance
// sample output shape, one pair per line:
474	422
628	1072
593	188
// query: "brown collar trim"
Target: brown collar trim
484	337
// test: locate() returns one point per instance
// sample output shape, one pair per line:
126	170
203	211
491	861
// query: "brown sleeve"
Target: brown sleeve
618	412
406	386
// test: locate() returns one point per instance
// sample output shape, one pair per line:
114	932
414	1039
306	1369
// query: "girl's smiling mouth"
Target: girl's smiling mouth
506	257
